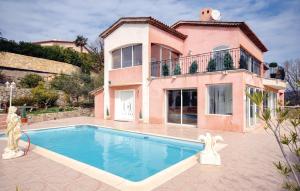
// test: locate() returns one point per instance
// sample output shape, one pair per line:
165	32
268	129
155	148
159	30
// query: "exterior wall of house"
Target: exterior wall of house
204	39
159	36
125	35
234	122
99	101
248	45
150	94
130	75
138	92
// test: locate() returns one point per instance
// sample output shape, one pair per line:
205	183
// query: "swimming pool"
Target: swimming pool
132	156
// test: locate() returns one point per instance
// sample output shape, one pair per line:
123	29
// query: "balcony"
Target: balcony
228	59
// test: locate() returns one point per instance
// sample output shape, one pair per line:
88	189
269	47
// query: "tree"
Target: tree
97	54
292	76
80	41
43	96
285	128
75	85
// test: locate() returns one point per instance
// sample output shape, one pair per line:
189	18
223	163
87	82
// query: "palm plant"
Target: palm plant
286	130
80	41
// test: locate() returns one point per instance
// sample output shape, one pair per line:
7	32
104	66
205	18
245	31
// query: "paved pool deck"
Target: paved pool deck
246	163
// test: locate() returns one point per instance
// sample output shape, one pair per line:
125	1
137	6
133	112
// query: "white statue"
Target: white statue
13	132
209	155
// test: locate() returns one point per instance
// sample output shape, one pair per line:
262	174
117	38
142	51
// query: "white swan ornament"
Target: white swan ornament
209	155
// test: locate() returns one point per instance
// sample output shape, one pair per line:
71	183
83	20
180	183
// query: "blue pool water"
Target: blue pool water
132	156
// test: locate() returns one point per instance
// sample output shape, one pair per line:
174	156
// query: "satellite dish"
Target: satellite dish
216	15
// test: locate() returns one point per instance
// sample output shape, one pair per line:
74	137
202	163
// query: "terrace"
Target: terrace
246	162
219	60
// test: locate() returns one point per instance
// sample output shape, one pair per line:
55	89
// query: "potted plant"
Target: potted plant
193	67
107	114
177	70
228	63
165	70
24	118
273	66
211	65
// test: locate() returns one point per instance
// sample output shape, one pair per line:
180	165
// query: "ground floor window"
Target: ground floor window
270	101
182	106
251	108
220	99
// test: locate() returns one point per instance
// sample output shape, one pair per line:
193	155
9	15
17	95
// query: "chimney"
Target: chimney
205	14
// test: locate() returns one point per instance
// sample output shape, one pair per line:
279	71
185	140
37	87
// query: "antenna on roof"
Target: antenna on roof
216	15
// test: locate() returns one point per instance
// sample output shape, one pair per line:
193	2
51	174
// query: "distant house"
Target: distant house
62	43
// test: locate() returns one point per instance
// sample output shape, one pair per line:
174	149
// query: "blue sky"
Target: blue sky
276	22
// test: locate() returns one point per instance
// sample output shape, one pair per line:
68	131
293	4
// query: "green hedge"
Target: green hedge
56	53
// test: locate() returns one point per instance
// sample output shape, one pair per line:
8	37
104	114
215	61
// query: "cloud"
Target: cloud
275	22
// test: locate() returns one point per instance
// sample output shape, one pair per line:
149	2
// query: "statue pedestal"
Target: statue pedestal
10	154
210	159
209	155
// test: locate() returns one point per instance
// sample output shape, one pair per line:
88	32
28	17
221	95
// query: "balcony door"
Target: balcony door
182	106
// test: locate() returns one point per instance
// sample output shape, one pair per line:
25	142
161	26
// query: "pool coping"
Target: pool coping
114	180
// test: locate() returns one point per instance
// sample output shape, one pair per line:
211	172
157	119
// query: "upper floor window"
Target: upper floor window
248	62
127	56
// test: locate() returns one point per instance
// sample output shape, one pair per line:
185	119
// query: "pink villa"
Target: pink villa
193	73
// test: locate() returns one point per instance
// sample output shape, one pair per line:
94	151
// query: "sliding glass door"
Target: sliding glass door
251	108
182	106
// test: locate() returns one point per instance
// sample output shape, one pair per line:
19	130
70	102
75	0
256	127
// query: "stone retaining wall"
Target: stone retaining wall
17	61
59	115
17	93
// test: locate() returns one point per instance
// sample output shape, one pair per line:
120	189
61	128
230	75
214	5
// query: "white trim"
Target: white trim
115	112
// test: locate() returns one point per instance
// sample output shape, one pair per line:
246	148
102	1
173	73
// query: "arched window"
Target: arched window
127	56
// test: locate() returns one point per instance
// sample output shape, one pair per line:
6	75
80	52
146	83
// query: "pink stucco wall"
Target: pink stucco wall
234	122
130	75
159	36
203	39
99	107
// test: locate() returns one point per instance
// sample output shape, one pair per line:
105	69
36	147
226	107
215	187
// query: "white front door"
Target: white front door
124	105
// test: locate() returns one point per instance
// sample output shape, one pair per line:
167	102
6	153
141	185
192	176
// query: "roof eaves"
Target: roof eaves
148	20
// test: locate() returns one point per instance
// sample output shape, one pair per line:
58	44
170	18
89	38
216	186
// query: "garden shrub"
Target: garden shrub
57	53
75	85
44	97
28	100
194	67
30	80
